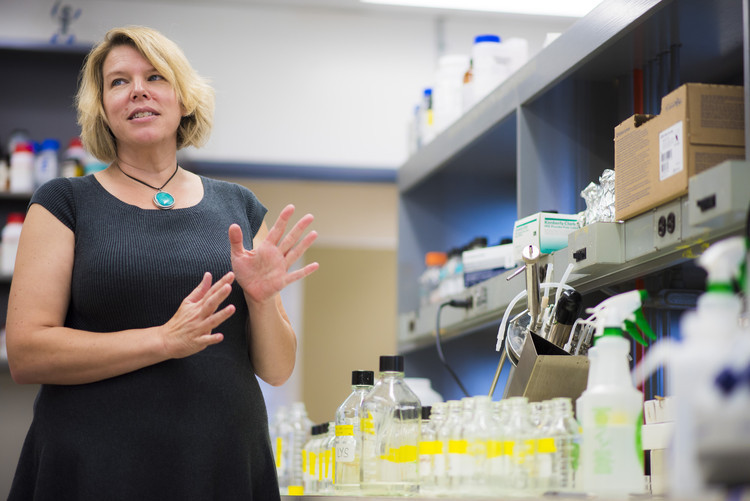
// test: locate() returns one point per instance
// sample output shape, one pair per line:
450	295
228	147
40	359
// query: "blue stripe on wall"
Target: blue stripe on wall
288	171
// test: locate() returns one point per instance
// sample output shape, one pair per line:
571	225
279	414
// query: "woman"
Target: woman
147	369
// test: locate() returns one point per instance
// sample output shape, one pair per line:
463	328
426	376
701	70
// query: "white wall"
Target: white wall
304	86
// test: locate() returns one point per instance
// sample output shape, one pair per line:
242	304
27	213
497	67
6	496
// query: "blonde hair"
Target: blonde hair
193	91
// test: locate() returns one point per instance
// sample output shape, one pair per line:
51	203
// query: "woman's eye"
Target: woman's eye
118	81
155	77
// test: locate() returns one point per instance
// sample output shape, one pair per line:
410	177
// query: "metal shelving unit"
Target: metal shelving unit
536	141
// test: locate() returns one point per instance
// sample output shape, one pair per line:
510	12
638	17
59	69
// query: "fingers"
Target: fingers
235	239
301	248
279	227
294	235
303	272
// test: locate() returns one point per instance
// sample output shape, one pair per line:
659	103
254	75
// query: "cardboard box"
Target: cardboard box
700	126
548	231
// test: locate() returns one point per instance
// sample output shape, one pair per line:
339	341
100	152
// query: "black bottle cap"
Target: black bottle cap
426	411
391	363
363	378
323	428
568	308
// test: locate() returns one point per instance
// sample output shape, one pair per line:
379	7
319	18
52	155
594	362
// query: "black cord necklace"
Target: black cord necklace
162	199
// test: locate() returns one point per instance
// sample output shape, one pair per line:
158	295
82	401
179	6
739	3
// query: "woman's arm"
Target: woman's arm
263	273
42	350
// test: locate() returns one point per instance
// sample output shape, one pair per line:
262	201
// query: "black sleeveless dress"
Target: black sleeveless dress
186	429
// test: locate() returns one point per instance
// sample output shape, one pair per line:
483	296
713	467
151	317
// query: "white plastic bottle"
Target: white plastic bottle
448	91
391	432
707	343
348	442
75	159
46	165
22	168
488	67
429	280
9	242
610	411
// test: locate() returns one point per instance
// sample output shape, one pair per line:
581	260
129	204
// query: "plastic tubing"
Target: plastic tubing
504	322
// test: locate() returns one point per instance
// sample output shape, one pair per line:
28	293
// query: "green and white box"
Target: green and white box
546	230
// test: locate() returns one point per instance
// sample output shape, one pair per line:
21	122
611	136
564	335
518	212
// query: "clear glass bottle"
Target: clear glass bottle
478	433
445	433
391	432
348	442
564	429
458	448
545	449
298	434
429	449
328	459
310	461
496	457
520	433
277	431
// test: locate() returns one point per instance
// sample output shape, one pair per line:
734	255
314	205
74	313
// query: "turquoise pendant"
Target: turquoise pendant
163	200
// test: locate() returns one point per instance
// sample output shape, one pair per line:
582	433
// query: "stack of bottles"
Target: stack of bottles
443	276
383	442
477	447
28	164
461	81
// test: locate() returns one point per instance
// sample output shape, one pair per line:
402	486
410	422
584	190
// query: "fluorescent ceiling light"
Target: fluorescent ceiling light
568	8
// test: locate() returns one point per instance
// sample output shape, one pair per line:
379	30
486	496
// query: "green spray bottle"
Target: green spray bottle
610	409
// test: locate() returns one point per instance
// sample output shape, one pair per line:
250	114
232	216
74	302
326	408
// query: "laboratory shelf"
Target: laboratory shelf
645	252
536	141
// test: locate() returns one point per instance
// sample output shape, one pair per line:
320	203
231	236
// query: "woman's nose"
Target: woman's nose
139	89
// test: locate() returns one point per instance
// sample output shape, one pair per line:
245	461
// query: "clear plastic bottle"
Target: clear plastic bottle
46	166
298	435
22	168
348	444
277	431
429	280
426	119
11	233
391	432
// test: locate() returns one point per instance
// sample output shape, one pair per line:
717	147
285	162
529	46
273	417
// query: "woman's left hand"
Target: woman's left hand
264	271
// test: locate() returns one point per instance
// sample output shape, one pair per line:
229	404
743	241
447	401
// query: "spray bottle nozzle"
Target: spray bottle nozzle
623	313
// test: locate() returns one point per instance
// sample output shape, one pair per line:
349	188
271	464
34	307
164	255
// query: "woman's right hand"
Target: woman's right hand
189	330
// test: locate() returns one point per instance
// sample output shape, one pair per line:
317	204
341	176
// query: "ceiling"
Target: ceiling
358	6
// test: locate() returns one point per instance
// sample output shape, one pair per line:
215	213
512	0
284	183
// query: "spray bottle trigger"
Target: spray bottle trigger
642	323
631	328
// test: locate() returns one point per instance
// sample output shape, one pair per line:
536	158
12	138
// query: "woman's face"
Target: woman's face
140	105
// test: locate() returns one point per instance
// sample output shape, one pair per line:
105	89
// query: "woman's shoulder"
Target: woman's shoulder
227	188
